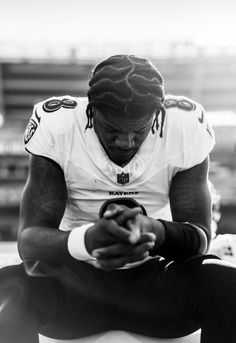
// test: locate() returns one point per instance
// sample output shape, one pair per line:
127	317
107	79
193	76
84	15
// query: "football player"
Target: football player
100	250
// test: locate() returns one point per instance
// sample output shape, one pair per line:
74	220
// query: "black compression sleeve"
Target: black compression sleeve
182	240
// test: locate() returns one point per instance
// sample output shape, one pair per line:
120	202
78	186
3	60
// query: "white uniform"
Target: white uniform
57	130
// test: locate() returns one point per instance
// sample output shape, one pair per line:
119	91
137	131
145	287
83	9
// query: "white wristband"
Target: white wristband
76	244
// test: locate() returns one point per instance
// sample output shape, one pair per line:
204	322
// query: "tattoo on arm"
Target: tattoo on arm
190	198
44	197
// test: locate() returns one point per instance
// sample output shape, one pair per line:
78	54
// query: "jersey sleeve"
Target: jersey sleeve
190	137
203	140
45	132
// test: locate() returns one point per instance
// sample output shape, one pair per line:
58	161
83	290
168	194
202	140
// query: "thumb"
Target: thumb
112	210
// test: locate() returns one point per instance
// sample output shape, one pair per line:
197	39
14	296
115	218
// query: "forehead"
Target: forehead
123	120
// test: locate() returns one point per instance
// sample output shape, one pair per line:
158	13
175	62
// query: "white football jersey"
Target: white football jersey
57	130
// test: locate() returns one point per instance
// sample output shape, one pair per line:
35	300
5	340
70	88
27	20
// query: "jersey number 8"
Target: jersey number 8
182	103
53	105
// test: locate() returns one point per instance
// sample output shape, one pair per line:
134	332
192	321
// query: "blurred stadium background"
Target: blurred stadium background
31	71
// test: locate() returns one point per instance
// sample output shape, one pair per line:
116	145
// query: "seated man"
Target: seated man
98	251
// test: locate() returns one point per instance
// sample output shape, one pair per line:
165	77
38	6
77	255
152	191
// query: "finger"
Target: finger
139	236
111	263
127	214
140	249
118	262
133	226
120	233
112	250
147	236
116	250
112	210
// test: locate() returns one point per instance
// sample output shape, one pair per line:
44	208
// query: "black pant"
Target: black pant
157	299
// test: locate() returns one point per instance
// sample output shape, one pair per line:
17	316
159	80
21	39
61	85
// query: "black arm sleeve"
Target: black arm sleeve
190	231
182	240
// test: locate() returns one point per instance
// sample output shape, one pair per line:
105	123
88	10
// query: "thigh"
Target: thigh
155	304
59	303
207	295
80	300
206	287
141	300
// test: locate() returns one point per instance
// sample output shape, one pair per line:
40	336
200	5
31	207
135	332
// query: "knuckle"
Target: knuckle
111	207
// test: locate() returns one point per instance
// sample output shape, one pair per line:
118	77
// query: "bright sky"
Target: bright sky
207	22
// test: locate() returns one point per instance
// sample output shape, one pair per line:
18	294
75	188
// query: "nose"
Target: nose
125	141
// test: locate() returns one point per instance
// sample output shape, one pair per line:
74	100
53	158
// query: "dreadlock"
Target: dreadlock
129	84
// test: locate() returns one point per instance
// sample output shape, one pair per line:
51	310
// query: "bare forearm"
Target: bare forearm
190	202
42	207
44	244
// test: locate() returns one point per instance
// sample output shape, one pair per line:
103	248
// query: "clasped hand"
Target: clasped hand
122	236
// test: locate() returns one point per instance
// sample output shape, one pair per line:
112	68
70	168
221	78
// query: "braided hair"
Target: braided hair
127	84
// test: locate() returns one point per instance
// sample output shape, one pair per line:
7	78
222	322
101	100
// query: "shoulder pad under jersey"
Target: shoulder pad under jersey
53	114
188	129
50	120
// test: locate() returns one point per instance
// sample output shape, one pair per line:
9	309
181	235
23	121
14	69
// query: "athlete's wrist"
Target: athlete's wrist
76	244
88	239
158	229
182	240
